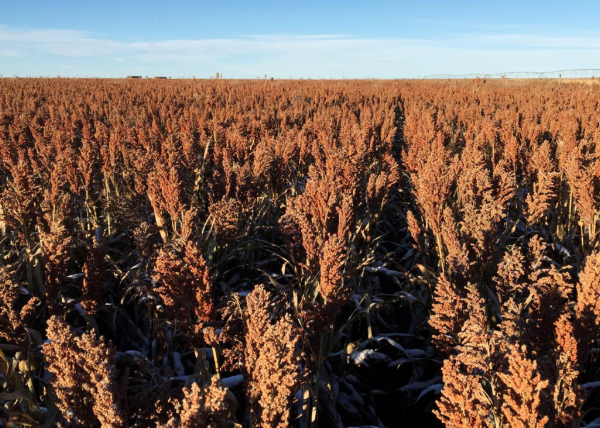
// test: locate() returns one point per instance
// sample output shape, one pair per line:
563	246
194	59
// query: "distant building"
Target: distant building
159	77
134	77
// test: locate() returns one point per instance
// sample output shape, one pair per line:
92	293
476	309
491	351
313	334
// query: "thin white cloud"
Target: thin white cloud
54	51
8	52
58	42
542	41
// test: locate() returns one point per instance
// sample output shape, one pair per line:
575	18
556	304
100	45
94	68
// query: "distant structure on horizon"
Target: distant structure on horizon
558	74
134	77
159	77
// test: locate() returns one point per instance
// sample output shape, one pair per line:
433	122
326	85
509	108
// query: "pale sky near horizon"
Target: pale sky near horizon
308	39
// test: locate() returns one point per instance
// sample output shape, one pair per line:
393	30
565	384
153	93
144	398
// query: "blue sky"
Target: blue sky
310	39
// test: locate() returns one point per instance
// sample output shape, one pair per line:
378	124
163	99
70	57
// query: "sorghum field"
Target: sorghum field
213	253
